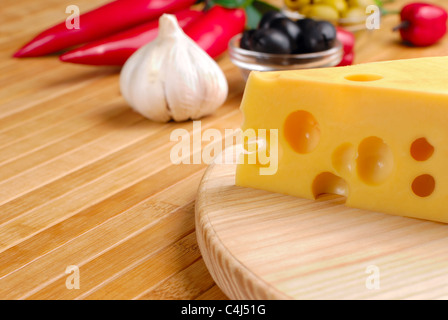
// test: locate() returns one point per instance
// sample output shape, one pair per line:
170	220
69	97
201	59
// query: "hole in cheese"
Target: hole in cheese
343	158
375	161
424	185
302	131
329	183
421	149
363	77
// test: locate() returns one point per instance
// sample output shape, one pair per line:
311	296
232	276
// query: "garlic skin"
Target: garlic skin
172	78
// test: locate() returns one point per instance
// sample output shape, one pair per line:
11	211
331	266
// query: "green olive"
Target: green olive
321	12
354	13
360	3
339	5
296	4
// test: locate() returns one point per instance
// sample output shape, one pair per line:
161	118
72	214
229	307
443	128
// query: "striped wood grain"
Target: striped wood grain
85	181
263	245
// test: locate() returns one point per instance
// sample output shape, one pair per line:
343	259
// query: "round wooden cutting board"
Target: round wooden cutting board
263	245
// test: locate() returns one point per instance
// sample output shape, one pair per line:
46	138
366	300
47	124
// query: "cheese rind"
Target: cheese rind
375	133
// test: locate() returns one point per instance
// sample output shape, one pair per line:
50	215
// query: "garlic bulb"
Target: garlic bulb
172	77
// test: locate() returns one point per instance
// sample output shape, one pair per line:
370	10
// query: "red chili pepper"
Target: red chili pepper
117	48
347	59
423	24
212	31
348	42
346	38
103	21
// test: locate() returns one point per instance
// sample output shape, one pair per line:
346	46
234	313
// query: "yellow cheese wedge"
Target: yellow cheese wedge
375	133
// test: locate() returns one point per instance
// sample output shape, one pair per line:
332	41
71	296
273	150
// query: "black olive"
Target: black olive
316	35
328	32
246	39
268	17
271	41
290	28
306	24
311	41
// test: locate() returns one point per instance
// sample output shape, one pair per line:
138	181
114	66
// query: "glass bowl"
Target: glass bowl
247	60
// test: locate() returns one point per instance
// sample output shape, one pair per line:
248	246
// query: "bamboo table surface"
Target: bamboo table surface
86	182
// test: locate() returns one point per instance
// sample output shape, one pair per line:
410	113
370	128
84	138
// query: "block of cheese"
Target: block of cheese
376	133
